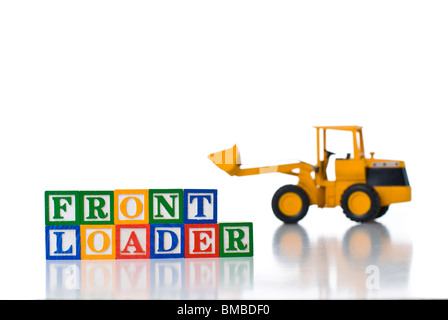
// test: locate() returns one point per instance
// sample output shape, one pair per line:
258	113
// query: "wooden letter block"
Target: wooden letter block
201	240
97	242
97	207
61	208
200	206
62	242
166	206
131	207
236	239
132	241
167	240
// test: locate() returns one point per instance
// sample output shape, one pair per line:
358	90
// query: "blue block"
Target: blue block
63	242
167	240
200	206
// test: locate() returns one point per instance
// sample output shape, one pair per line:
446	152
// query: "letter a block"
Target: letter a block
61	208
131	207
236	239
167	240
62	243
200	206
97	242
166	206
201	240
132	241
97	207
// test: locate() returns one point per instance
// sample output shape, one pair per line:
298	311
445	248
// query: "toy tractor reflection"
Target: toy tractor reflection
364	188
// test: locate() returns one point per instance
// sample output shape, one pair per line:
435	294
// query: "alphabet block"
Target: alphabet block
62	242
167	240
166	206
200	206
97	207
201	240
132	241
61	208
97	242
131	206
236	239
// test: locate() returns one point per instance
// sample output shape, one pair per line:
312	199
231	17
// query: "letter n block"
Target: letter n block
62	242
97	207
167	240
132	241
131	207
201	240
200	206
61	208
236	239
97	242
166	206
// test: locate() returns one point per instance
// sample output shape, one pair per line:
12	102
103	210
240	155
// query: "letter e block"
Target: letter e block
131	207
62	242
132	241
97	207
61	208
236	239
201	240
97	242
167	240
166	206
200	206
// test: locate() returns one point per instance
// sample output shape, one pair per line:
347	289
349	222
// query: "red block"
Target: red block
132	241
201	240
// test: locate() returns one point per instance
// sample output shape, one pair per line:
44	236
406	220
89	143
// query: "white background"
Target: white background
103	95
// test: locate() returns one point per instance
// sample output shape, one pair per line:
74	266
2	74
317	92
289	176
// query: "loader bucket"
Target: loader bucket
227	160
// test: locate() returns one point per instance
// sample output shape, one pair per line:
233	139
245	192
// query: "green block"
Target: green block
236	239
166	206
96	207
62	208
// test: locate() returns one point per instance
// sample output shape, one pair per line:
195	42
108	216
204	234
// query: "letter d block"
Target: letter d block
97	242
62	208
236	239
201	240
167	240
62	243
200	206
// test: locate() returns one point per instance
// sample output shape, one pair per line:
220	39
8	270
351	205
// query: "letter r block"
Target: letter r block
62	208
62	243
200	206
96	207
201	240
236	239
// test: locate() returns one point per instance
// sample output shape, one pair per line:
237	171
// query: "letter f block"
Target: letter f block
62	208
236	239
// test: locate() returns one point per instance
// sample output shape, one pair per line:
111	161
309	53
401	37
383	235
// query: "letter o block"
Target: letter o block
131	207
97	242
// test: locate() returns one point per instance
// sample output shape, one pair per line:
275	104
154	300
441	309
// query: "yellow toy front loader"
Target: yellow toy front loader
364	188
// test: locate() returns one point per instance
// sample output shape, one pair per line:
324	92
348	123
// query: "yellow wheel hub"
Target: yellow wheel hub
290	204
359	203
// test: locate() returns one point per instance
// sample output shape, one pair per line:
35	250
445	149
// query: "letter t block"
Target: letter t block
236	239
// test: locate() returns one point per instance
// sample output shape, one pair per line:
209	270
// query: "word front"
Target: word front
141	224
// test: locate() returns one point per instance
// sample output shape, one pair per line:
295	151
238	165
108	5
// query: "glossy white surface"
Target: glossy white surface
103	95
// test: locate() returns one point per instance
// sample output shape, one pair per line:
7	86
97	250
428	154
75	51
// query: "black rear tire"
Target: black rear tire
365	191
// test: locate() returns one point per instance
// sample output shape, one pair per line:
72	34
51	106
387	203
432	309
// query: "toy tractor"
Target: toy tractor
364	188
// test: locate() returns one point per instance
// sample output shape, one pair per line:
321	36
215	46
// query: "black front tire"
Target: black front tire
301	212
